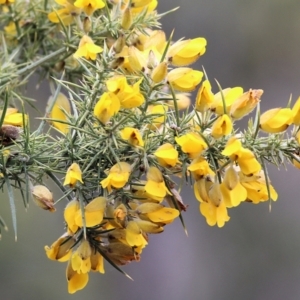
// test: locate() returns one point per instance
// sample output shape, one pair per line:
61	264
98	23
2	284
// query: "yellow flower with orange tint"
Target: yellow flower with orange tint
87	49
191	144
184	79
97	262
155	185
230	96
276	120
132	135
183	53
221	127
167	155
205	97
107	106
60	111
117	177
89	6
61	249
245	104
73	175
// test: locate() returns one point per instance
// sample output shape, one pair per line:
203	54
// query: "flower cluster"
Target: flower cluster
126	129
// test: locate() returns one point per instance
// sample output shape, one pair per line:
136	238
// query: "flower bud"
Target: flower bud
87	25
43	198
119	43
215	194
159	73
126	18
9	133
231	178
204	97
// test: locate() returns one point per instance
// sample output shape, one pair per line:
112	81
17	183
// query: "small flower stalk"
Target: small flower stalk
121	127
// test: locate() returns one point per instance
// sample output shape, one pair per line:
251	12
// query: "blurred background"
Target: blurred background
253	44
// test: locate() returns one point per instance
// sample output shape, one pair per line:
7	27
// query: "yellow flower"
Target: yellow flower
80	258
61	249
60	111
186	52
43	197
205	97
69	215
129	96
10	30
65	15
107	106
93	212
6	2
183	101
276	120
184	79
117	177
132	135
296	112
200	167
155	39
73	175
232	190
160	111
221	127
76	281
191	143
244	157
233	146
134	236
167	155
136	59
257	189
87	48
12	117
245	104
214	215
89	6
157	213
230	96
155	185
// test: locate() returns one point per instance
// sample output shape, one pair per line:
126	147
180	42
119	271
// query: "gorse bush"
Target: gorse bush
121	134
